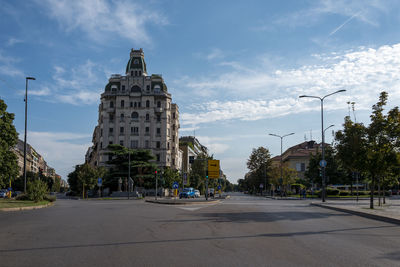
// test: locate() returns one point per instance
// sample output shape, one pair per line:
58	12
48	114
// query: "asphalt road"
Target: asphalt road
241	231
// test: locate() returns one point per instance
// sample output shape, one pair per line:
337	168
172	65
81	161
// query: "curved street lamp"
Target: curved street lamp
323	135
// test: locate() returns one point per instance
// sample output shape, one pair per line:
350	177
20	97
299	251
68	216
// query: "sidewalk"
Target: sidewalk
390	212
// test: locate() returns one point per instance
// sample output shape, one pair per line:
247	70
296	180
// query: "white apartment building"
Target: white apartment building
136	111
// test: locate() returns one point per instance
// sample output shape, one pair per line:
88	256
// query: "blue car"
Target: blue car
187	193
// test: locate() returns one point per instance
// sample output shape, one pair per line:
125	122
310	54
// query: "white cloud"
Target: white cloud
7	66
80	85
42	92
61	150
12	41
101	18
363	73
79	98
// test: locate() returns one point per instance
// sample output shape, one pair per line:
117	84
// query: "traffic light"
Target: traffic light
155	172
320	172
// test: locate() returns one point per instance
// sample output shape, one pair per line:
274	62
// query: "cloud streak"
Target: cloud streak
344	23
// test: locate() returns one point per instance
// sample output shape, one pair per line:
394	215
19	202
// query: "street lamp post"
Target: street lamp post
129	172
26	114
281	137
323	136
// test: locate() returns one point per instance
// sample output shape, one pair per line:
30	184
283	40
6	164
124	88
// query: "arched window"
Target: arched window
135	116
147	103
122	103
147	117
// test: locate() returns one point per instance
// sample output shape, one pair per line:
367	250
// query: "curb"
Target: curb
361	214
181	203
28	208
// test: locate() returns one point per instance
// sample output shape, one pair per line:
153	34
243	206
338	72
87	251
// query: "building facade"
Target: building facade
136	111
297	157
190	147
34	161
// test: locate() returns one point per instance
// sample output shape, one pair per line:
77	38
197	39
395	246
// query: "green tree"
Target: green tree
84	178
169	176
381	150
289	176
37	190
8	139
259	164
351	146
334	172
197	175
142	169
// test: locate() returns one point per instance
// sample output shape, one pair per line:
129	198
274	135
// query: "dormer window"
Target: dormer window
136	61
157	88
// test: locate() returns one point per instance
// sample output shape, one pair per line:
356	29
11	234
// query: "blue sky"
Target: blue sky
235	68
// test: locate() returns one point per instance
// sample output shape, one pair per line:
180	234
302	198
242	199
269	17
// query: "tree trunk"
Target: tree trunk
379	192
83	191
351	188
384	195
371	202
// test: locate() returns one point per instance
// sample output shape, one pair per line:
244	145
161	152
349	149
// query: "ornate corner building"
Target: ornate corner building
136	111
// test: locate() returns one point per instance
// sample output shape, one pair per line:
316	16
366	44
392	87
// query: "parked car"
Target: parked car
196	193
3	193
187	193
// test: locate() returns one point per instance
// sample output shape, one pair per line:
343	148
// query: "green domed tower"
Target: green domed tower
136	65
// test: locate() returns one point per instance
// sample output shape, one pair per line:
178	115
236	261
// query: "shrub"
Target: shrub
37	190
22	197
344	193
50	198
332	192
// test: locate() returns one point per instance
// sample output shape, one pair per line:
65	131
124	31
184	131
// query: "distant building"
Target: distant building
190	147
136	111
34	161
297	157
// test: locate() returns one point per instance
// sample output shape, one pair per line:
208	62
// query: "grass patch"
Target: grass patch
12	203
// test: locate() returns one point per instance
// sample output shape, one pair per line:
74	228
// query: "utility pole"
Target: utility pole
155	176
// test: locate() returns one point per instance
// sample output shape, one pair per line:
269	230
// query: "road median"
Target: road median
34	207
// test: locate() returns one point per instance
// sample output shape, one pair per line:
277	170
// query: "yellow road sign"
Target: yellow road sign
213	168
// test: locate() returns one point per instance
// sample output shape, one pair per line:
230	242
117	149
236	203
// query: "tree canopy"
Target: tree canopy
8	139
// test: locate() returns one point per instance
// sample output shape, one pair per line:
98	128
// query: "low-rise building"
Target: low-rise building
297	157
